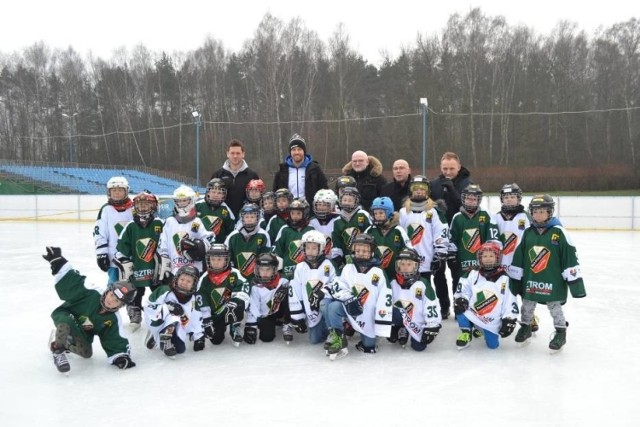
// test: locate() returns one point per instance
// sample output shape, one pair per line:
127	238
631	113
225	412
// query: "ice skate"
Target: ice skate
149	341
403	337
464	339
558	340
61	361
236	334
166	345
348	329
338	345
534	324
135	317
367	350
523	335
477	333
287	333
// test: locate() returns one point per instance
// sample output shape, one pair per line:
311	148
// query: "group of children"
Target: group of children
328	269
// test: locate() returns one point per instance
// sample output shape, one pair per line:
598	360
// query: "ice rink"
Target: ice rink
591	382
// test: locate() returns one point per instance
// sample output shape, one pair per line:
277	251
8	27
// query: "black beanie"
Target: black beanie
297	141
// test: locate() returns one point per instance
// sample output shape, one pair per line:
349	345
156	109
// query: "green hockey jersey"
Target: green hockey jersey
140	246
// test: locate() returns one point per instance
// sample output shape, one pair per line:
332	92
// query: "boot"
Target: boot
61	361
403	336
368	350
338	347
135	315
166	345
464	339
236	334
559	339
287	333
524	333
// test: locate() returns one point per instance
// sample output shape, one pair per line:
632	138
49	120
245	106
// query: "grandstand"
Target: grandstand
86	180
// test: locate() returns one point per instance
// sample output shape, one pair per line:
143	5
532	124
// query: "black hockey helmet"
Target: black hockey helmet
122	290
471	190
266	268
542	201
510	189
218	250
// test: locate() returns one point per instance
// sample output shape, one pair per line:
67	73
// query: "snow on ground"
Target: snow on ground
591	382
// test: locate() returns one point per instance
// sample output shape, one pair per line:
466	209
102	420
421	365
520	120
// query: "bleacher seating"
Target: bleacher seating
93	181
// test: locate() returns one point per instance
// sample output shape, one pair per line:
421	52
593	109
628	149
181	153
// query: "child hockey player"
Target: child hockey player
85	314
171	315
283	200
223	295
247	242
287	244
325	215
343	182
215	214
390	238
307	287
254	189
545	265
112	218
136	251
428	232
268	206
416	311
184	239
268	303
484	299
361	294
353	221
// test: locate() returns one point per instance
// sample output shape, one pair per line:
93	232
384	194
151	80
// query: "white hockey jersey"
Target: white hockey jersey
157	315
418	307
428	234
305	279
511	231
173	232
265	301
326	229
107	229
489	302
374	292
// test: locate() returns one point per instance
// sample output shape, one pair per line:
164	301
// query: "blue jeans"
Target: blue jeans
397	322
318	333
492	340
114	275
333	314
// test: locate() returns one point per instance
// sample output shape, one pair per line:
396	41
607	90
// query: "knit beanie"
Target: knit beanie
297	141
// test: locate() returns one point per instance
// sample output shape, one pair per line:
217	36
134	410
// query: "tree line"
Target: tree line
499	95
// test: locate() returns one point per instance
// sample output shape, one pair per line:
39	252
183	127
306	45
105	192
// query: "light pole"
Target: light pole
196	121
423	106
69	118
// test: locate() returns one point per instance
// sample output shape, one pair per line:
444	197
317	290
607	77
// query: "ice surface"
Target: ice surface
593	381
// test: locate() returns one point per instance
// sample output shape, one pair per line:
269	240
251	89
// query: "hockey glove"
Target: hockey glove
508	325
429	334
207	326
460	305
124	362
198	345
174	308
103	262
316	296
54	258
234	311
250	335
353	307
194	250
300	325
125	266
437	262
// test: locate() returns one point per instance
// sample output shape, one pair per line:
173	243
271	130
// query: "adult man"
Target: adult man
300	173
237	175
399	188
367	171
448	187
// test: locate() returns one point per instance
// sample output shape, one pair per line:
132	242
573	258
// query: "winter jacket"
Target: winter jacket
236	193
314	180
452	200
397	192
369	182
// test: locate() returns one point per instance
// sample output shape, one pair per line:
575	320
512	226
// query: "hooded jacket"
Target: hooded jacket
452	199
314	178
236	184
369	182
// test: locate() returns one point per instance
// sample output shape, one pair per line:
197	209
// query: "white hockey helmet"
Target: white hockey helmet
184	200
117	182
313	236
324	197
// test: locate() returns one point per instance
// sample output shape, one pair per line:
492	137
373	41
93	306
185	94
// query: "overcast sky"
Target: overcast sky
102	26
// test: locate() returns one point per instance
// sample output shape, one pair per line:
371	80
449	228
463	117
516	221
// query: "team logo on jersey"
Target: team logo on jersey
375	279
327	270
328	246
416	231
145	249
157	229
246	263
220	296
471	240
107	323
195	225
119	226
510	242
260	242
382	313
539	257
385	255
176	240
296	251
396	241
312	285
361	292
418	293
486	301
428	217
348	235
555	239
482	219
216	224
361	222
276	301
521	224
407	306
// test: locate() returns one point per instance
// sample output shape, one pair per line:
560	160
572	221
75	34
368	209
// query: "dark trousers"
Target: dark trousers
440	282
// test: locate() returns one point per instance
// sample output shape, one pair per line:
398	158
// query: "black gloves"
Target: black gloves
103	262
124	362
508	325
54	258
174	308
460	305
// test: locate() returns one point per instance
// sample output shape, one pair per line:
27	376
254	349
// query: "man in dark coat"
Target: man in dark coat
299	173
398	190
367	171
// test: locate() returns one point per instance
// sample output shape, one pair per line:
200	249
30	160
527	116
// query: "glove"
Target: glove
460	305
207	326
300	325
54	258
174	308
508	325
124	362
198	345
234	312
447	186
250	334
193	249
429	334
353	307
438	260
316	296
103	262
125	266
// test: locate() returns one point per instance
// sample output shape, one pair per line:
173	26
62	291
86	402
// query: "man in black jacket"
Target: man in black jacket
447	187
399	188
367	171
236	173
299	173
